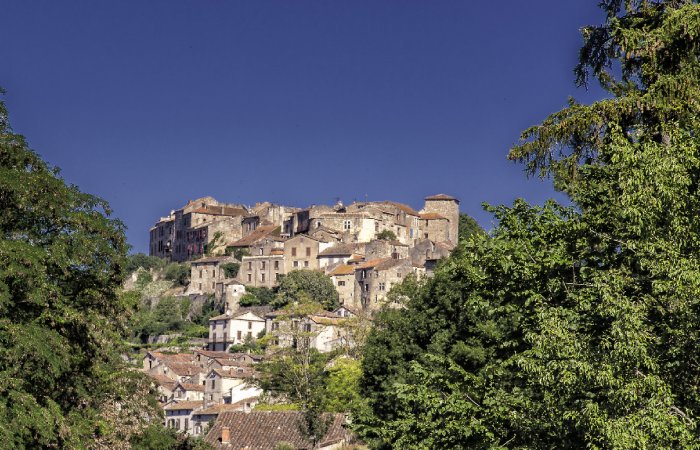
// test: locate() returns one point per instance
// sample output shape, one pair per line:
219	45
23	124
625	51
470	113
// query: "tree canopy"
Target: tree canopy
62	260
304	286
572	326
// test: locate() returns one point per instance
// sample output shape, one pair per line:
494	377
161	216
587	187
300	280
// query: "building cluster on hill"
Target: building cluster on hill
365	247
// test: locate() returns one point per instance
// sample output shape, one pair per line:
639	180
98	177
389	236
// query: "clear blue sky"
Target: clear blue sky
151	103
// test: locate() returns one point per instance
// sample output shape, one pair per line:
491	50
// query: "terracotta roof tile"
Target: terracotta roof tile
338	250
343	269
441	197
263	430
372	263
258	234
431	216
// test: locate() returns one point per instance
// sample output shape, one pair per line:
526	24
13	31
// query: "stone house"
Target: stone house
446	207
162	235
164	386
190	230
343	278
229	292
262	271
386	249
219	382
335	255
301	252
322	331
265	430
178	415
205	273
234	328
188	391
374	279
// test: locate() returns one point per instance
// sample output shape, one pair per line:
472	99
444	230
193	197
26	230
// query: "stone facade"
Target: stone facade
374	279
447	207
261	271
301	252
205	273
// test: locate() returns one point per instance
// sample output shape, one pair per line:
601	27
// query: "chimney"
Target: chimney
225	435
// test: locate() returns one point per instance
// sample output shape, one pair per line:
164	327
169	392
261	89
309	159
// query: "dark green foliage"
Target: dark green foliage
231	269
142	280
144	261
386	235
256	296
468	226
158	437
178	273
306	286
570	328
210	308
62	261
167	317
237	252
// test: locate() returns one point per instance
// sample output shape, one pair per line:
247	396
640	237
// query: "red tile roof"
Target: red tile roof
441	197
343	269
263	430
432	216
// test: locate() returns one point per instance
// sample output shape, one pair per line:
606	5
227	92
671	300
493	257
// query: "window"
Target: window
200	274
262	265
200	286
341	283
213	272
308	251
250	335
262	277
294	251
382	286
277	265
277	276
213	384
250	325
376	226
296	264
238	334
261	251
306	264
275	326
250	278
250	265
346	225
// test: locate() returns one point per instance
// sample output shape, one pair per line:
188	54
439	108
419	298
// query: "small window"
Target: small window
250	325
250	278
306	264
250	265
382	286
341	283
200	274
238	334
308	251
277	265
347	224
262	277
294	251
296	264
262	265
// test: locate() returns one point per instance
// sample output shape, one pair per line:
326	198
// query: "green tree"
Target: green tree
62	383
386	235
468	226
231	269
570	327
306	285
144	261
178	273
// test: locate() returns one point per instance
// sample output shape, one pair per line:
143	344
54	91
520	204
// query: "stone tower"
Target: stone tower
448	207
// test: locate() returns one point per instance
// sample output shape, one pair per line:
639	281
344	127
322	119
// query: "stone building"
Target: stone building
375	278
262	271
162	236
193	226
337	254
386	249
343	278
205	273
234	328
301	252
448	208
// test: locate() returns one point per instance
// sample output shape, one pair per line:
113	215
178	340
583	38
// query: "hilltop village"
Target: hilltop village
363	249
